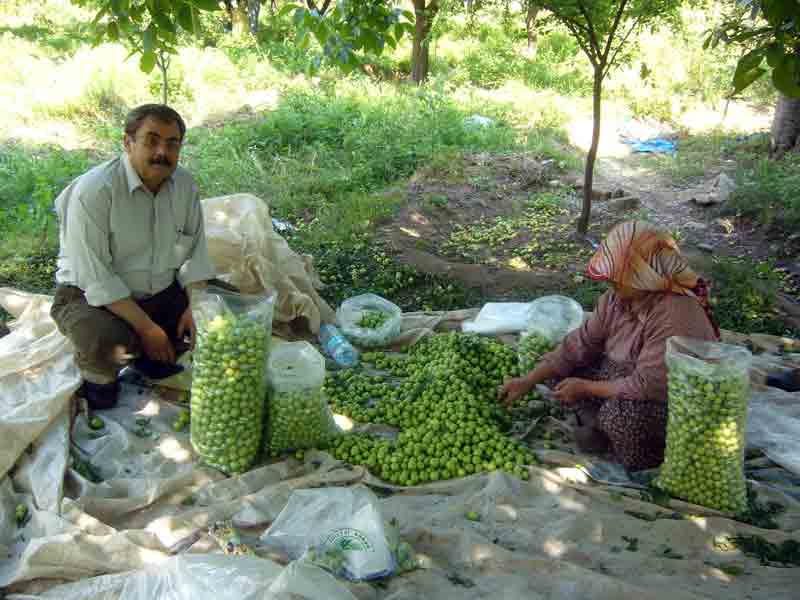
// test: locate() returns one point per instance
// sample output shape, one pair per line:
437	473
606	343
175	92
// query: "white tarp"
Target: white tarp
558	535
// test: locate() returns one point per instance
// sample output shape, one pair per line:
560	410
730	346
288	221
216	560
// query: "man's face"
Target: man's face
153	151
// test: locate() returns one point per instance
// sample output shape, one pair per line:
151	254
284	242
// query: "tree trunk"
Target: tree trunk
241	20
530	27
420	57
253	12
163	65
586	212
785	127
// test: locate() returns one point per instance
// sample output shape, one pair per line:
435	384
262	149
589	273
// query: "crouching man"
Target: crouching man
132	245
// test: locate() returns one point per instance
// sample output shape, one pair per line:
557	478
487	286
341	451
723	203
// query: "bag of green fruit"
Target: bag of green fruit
339	529
369	321
551	319
298	415
229	376
709	388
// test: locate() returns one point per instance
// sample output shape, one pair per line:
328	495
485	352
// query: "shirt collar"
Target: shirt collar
134	181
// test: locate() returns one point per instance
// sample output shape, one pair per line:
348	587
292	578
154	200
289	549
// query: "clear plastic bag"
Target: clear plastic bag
339	529
551	318
229	376
497	318
299	416
355	313
709	389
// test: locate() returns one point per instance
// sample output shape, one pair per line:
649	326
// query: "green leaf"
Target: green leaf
775	54
100	14
112	31
742	81
786	76
298	16
185	18
147	62
148	40
778	11
206	4
283	12
750	61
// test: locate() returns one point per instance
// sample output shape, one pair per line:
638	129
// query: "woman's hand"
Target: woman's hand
513	390
572	390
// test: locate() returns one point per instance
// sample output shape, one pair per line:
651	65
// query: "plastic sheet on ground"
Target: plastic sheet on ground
557	535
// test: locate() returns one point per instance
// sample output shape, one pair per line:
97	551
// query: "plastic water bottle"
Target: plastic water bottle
337	346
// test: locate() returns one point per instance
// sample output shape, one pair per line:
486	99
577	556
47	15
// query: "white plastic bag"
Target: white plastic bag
353	310
497	318
773	425
709	389
229	378
340	529
551	319
298	414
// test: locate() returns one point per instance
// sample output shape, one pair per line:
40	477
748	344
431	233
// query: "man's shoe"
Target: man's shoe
100	396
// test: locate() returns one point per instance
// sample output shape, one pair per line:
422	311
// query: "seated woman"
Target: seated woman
612	369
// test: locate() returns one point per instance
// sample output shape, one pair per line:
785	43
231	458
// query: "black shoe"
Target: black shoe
788	381
154	369
100	396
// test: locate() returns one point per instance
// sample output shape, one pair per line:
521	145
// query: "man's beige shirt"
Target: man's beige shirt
119	240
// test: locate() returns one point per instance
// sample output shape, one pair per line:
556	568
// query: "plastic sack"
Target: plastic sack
709	388
219	577
229	376
773	425
353	316
299	416
339	529
551	319
497	318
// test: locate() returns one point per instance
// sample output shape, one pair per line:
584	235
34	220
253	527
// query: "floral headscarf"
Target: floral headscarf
637	255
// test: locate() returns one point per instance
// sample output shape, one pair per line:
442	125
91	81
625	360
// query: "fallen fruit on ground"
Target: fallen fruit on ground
442	396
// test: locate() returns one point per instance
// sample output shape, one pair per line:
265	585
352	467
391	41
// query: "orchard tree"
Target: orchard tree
769	31
243	16
605	31
148	28
348	30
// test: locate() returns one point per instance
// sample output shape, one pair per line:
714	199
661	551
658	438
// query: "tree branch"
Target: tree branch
618	49
579	38
592	34
613	31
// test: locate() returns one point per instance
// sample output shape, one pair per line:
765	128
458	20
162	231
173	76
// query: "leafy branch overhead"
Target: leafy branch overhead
148	27
351	29
769	30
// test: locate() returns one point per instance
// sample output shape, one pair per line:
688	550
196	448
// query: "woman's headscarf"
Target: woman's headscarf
637	255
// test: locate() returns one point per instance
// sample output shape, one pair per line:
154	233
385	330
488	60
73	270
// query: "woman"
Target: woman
612	369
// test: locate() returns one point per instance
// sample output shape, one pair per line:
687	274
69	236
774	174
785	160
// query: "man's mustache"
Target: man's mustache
161	160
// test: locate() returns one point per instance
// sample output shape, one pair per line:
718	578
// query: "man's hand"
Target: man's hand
513	390
157	345
572	390
186	325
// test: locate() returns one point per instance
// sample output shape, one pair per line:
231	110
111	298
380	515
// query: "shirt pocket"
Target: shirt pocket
180	250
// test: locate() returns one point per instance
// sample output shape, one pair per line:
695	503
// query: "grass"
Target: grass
769	191
329	153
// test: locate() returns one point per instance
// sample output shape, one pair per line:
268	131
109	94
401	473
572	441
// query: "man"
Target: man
132	247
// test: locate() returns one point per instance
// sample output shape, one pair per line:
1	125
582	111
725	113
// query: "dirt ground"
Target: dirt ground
490	192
